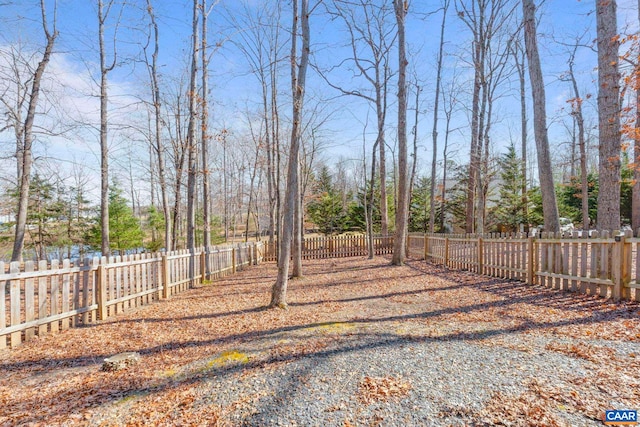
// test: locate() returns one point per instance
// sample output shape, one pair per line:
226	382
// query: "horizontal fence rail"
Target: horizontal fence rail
42	298
605	264
336	247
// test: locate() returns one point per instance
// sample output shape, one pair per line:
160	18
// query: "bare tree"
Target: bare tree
157	145
549	204
104	10
450	95
402	211
179	151
371	38
519	61
262	46
608	117
205	137
24	151
488	21
414	132
191	132
298	80
578	120
434	133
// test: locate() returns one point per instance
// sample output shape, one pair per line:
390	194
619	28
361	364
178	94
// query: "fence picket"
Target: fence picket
66	293
29	300
16	337
43	297
3	307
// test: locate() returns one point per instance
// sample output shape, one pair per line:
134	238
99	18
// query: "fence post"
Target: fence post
101	289
233	260
203	266
480	255
530	260
620	268
446	251
165	276
426	246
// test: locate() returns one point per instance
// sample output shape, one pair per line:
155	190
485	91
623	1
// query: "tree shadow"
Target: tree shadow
510	293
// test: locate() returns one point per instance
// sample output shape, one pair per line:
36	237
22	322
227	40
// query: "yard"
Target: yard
361	344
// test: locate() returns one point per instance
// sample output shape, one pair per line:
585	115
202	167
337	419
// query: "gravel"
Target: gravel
450	383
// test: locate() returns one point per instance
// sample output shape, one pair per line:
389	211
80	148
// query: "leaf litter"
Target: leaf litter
222	330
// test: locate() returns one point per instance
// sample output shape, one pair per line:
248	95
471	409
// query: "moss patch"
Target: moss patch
231	357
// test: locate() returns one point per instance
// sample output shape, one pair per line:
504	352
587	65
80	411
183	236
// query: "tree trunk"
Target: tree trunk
384	208
24	154
482	166
434	133
206	202
520	67
159	149
579	121
608	117
279	290
104	143
399	244
191	134
296	271
635	192
635	195
549	205
474	160
179	148
414	154
370	243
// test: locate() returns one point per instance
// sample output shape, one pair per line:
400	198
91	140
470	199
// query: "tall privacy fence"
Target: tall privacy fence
336	247
42	298
607	264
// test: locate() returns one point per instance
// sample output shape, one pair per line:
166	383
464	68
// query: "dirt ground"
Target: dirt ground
196	336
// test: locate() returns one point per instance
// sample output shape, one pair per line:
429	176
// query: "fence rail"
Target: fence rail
607	265
42	298
336	247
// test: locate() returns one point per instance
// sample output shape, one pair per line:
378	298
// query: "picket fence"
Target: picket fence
46	297
607	265
42	298
336	247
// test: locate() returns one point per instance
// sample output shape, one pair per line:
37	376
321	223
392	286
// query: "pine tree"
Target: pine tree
124	228
509	207
419	209
327	210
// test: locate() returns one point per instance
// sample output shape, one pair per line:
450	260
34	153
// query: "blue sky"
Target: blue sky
233	88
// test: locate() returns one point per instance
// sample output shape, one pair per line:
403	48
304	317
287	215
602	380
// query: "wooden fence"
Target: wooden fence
336	247
45	298
607	265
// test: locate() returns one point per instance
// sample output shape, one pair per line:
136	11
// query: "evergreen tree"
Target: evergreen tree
455	214
508	212
124	228
419	212
79	214
43	215
327	209
156	224
570	198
